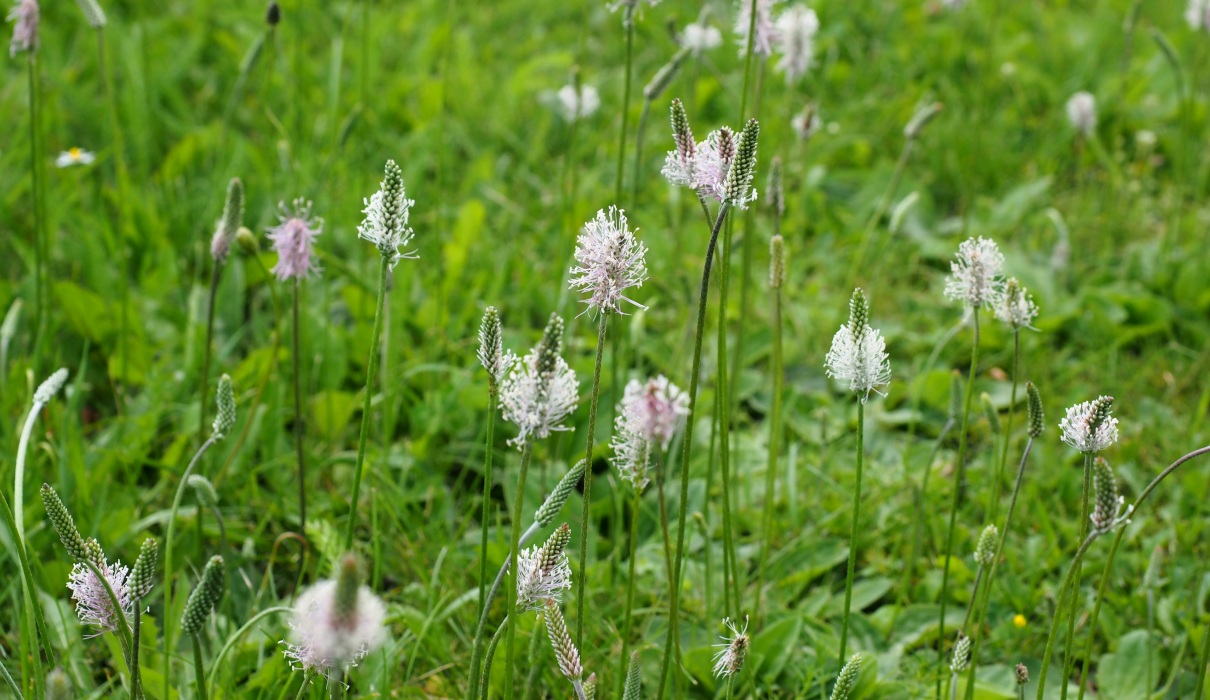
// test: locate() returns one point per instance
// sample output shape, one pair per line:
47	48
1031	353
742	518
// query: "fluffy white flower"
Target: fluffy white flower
700	37
386	221
543	572
1082	112
322	640
1015	306
610	262
50	386
1090	426
764	31
796	27
538	404
24	17
1197	14
729	659
975	273
654	408
575	106
93	604
74	156
860	360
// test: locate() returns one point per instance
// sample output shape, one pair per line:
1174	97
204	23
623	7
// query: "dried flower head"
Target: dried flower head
975	273
1082	112
575	105
985	550
94	606
24	17
565	650
540	389
1110	509
543	572
1022	674
764	31
230	223
1090	426
796	27
1015	306
847	678
610	261
492	355
962	654
858	354
700	37
335	623
293	239
730	657
386	221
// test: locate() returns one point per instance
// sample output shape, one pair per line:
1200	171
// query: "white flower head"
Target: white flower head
1015	306
610	261
24	17
74	156
729	659
654	409
93	604
492	355
975	273
765	33
1082	112
1197	14
50	386
700	37
797	27
540	389
386	221
581	105
858	355
323	640
1090	426
543	571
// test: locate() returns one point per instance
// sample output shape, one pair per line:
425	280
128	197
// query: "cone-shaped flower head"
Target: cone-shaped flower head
921	119
858	355
94	606
777	197
990	412
549	510
679	166
985	550
543	572
729	658
1022	674
540	389
1082	112
565	651
664	76
93	14
777	262
1090	426
58	685
205	596
229	225
634	682
975	273
962	654
739	190
609	261
63	524
273	14
1037	417
1110	509
647	417
1015	306
806	123
224	420
335	623
590	687
796	27
142	577
293	239
764	30
1151	577
700	37
492	355
386	222
574	105
1197	14
847	678
24	17
50	386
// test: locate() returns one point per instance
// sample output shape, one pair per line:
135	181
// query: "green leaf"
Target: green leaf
1122	675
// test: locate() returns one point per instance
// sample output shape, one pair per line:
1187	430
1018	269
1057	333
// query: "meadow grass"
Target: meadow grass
106	270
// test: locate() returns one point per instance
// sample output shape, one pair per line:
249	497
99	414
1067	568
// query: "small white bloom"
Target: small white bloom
796	27
610	262
1082	112
93	604
74	156
700	37
654	409
729	659
861	361
765	33
321	641
975	273
1015	306
1089	427
538	404
386	221
578	106
543	572
1197	14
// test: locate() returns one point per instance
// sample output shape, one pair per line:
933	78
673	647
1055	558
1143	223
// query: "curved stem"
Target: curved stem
1058	614
687	448
1096	611
300	423
477	648
485	682
774	448
586	521
218	659
848	579
372	368
19	472
198	674
215	276
1068	658
626	625
958	476
526	454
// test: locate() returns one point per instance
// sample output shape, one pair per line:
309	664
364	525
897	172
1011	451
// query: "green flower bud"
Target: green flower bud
204	598
225	420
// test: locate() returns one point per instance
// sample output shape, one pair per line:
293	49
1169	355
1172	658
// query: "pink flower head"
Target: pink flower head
293	239
765	31
93	604
24	17
654	409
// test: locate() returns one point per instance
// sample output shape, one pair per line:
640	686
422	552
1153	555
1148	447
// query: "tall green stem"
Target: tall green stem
723	402
514	545
383	267
637	177
487	494
958	476
774	447
198	671
586	521
1201	666
628	22
627	621
994	506
848	579
1064	589
300	424
215	276
39	208
1068	659
687	448
491	656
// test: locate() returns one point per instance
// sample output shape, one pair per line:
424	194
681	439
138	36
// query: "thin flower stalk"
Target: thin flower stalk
777	277
495	361
628	12
731	584
44	393
220	248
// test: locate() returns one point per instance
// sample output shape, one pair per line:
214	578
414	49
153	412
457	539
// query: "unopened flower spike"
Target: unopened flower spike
492	355
663	77
1110	509
609	261
777	262
294	239
224	420
50	386
590	687
386	217
962	654
93	14
205	596
565	650
739	190
731	654
847	678
1015	306
554	503
230	223
858	355
1037	417
335	623
1090	426
985	551
64	525
990	412
142	577
920	119
634	682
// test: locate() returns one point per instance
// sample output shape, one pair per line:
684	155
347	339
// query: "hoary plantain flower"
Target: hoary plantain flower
610	261
293	239
975	273
386	221
575	105
764	30
336	623
729	659
1090	426
24	17
858	354
540	389
700	37
1082	112
543	572
796	27
1015	306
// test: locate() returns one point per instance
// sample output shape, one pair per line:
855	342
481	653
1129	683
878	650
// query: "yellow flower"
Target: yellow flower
1019	621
